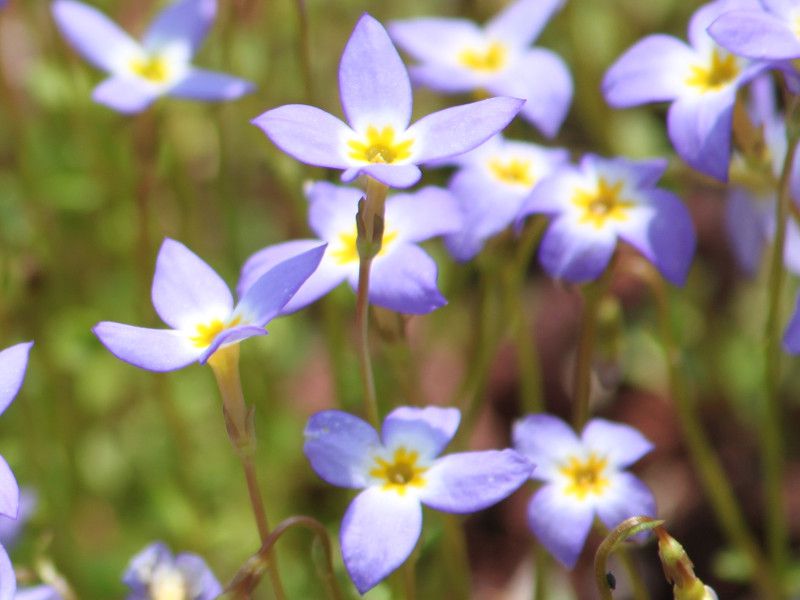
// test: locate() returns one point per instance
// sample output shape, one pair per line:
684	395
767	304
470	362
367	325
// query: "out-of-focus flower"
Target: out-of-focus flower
458	56
402	277
196	303
398	471
765	30
699	78
155	574
39	592
10	528
159	65
491	185
601	200
376	97
583	477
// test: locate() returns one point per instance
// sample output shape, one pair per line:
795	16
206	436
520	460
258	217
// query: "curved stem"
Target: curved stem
629	527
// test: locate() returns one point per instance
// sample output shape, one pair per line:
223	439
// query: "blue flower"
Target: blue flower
155	574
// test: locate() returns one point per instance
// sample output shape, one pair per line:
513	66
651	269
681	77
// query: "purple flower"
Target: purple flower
10	527
39	592
376	97
766	30
159	65
491	185
156	573
458	56
602	200
398	471
583	477
402	277
699	78
196	303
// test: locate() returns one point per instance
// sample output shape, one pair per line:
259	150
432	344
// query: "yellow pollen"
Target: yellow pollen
399	473
515	171
346	251
487	60
152	68
585	476
602	204
380	146
206	332
723	69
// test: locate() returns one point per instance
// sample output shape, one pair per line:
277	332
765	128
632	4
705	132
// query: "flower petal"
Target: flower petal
626	497
703	17
433	39
339	447
373	81
269	293
199	84
13	362
471	481
306	133
545	441
560	524
38	592
426	213
201	582
9	491
136	575
746	227
620	444
379	532
151	349
576	252
126	94
791	337
652	70
228	336
332	208
542	78
455	130
8	579
396	176
186	290
755	34
427	430
96	37
404	280
520	23
448	79
185	22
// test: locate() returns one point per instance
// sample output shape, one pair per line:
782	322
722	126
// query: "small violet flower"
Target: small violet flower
699	78
601	200
159	65
196	303
761	30
398	471
155	574
376	98
491	184
402	276
583	477
458	56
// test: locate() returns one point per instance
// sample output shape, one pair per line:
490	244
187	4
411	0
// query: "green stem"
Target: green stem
410	577
612	543
540	566
304	49
456	560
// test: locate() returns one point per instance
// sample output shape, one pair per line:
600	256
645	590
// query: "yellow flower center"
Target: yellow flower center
168	584
206	332
490	59
400	472
380	146
602	204
152	68
585	476
723	69
514	171
346	251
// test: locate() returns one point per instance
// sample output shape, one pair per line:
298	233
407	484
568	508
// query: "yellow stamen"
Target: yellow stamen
400	472
380	146
490	59
345	251
723	69
514	171
206	332
585	476
602	204
152	68
168	584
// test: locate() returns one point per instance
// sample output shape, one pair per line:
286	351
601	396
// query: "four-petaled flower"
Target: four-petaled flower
458	56
159	65
398	471
376	98
402	277
155	574
602	199
699	78
191	298
583	477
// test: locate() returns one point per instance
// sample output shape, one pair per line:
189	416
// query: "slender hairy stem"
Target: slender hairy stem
239	424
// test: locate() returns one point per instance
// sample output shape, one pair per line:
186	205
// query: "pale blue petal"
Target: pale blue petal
11	527
620	444
230	335
39	592
185	289
126	94
560	525
447	78
756	34
429	39
136	575
625	497
306	133
546	441
151	349
332	209
184	22
9	491
471	481
13	362
373	81
379	532
704	16
404	280
199	84
575	252
520	23
8	579
427	213
780	8
201	582
553	194
791	250
461	128
791	337
427	430
395	176
746	227
339	447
